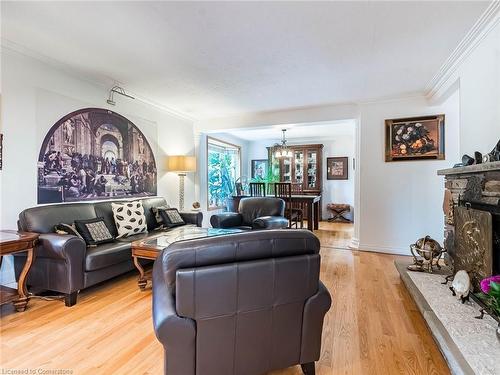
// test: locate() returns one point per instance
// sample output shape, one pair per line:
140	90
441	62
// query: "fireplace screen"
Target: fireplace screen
473	243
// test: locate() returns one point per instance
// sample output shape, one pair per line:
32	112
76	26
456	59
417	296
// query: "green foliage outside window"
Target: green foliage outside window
223	170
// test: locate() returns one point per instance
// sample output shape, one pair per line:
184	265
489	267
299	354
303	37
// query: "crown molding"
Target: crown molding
102	81
488	20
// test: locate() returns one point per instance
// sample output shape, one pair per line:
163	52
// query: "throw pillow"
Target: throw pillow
94	231
129	218
156	213
171	217
63	228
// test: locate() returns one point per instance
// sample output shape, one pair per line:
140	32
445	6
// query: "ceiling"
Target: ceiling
215	59
297	132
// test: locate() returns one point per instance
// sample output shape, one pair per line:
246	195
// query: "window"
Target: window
223	167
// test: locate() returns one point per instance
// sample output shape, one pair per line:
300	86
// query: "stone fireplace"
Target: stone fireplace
472	220
472	242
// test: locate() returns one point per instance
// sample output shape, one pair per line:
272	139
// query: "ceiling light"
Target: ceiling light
281	150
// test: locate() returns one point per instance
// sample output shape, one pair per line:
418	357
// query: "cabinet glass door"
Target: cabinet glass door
298	161
312	169
287	170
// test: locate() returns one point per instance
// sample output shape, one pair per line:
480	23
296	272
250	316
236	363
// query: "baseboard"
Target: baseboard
354	244
396	250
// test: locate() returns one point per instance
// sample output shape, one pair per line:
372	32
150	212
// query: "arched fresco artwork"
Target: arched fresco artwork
95	154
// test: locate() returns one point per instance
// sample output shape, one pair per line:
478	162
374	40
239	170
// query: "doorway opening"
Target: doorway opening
321	161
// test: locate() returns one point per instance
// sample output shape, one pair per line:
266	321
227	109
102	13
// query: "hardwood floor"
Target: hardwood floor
373	326
336	235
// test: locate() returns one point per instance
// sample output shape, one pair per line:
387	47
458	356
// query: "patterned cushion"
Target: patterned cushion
94	231
129	218
156	213
171	217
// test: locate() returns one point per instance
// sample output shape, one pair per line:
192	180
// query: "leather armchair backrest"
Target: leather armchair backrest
42	219
239	247
249	313
254	207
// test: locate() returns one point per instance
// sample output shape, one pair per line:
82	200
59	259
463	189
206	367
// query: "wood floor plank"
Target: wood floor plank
373	326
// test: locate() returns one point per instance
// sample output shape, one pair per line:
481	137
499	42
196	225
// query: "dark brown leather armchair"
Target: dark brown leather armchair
254	213
245	303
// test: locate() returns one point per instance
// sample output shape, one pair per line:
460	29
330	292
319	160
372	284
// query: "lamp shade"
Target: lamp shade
181	163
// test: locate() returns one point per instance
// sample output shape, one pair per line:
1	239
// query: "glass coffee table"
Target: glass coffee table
150	247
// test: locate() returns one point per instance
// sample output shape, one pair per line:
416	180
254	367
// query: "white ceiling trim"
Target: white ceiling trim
10	45
488	20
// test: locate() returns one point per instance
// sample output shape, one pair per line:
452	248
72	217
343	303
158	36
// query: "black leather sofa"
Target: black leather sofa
63	263
245	303
253	213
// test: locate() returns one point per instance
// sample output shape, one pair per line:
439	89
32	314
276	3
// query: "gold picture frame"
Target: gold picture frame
415	138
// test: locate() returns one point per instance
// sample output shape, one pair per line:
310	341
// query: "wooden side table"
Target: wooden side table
12	242
142	251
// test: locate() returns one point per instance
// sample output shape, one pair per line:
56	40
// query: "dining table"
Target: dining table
312	203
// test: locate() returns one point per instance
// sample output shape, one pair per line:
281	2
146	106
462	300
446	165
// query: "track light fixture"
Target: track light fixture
119	90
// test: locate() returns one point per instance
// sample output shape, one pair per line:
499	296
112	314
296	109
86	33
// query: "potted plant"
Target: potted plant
271	177
490	296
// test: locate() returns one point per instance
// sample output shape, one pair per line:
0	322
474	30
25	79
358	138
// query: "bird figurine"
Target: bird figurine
461	286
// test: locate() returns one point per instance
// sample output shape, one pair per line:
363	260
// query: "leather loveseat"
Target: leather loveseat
63	263
253	213
245	303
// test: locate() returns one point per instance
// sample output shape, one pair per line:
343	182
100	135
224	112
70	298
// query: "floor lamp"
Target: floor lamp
181	164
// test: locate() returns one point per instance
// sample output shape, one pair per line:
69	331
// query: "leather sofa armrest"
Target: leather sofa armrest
226	220
177	334
59	262
270	222
315	310
192	218
61	246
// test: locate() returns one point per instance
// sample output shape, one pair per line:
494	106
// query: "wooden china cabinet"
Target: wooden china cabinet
305	167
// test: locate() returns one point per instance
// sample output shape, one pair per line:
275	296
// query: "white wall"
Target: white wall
35	96
401	201
398	202
339	191
480	96
478	77
334	191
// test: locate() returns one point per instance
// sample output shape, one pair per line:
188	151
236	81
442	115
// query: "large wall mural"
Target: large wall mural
94	154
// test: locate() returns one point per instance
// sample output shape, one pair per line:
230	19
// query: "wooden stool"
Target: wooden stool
338	211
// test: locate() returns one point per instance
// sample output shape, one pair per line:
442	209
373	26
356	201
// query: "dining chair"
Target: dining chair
283	190
270	189
257	189
298	207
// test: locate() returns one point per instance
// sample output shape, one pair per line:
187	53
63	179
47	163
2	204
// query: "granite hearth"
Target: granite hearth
469	345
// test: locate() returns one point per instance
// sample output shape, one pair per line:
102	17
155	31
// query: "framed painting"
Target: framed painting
414	138
259	169
337	168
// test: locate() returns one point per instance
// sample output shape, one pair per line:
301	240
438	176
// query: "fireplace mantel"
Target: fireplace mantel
476	168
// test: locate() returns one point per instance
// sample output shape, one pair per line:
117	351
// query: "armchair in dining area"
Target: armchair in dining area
254	213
